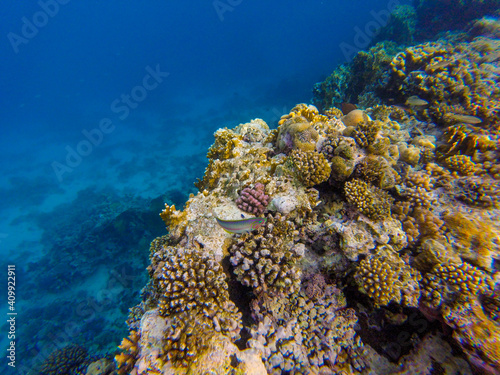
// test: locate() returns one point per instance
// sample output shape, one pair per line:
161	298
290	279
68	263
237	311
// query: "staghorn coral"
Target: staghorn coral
385	278
254	200
72	359
311	168
370	200
265	261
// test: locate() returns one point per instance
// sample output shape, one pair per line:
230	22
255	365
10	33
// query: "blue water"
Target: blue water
106	112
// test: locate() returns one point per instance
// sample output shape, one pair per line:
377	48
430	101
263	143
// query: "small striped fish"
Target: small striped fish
241	226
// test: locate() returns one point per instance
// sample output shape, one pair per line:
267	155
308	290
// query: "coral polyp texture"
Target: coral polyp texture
381	225
254	200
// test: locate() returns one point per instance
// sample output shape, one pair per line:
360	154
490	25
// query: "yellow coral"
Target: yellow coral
224	147
175	220
370	200
461	163
309	112
385	277
311	168
297	133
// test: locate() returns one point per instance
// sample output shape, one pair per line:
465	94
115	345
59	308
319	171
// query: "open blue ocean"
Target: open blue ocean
107	113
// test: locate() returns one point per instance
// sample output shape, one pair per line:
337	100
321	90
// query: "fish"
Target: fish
241	226
415	100
466	118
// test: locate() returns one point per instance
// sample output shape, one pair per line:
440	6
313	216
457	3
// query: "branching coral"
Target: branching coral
70	359
190	280
129	351
307	335
311	168
370	200
448	283
386	278
265	261
254	200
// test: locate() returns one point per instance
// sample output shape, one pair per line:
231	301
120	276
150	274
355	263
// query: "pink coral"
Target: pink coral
254	200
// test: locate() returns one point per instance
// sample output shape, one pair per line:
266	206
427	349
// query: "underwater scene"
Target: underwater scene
247	187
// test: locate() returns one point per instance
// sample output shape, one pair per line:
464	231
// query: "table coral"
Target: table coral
311	168
370	200
254	200
386	278
265	261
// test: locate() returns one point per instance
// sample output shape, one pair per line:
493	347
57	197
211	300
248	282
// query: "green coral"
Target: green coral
265	260
311	168
386	278
370	200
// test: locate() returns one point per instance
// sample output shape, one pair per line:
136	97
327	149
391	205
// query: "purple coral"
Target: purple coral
253	201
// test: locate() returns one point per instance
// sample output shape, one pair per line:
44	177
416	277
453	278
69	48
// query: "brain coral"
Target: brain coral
311	167
265	260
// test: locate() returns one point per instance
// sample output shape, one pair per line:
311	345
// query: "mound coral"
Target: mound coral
311	168
254	200
297	133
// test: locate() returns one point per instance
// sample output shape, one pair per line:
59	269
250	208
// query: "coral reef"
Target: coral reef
378	220
254	200
71	359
